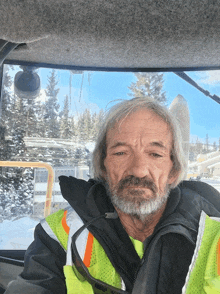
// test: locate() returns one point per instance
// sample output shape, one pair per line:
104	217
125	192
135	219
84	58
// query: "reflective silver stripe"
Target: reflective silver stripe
74	222
123	287
49	231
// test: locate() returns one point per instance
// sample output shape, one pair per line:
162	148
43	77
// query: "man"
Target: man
141	224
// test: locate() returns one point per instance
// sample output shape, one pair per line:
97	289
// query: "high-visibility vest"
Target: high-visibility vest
61	226
204	272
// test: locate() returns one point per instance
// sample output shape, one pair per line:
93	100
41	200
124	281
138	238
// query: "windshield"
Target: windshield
54	116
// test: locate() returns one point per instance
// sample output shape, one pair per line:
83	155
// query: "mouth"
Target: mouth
137	184
144	192
137	188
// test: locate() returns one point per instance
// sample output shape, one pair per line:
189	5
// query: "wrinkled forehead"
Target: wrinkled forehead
138	121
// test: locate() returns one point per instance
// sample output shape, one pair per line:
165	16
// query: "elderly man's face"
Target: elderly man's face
138	163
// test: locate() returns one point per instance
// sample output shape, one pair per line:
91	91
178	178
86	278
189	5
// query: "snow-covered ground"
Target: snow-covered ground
17	234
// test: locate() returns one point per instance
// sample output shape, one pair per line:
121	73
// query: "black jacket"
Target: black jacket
168	251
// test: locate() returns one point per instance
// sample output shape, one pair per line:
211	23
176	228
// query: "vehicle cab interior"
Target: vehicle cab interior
63	63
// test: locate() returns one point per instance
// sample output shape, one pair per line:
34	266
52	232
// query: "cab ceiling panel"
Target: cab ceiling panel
114	33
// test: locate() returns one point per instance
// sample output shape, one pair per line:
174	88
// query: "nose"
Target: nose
139	166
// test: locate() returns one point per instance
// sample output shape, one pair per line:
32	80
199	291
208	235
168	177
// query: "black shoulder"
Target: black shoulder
71	186
203	189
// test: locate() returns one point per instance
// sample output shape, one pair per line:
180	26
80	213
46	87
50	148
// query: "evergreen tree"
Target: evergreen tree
23	114
199	147
19	197
5	149
78	156
85	126
95	126
72	126
16	184
33	118
65	127
18	147
97	121
52	128
207	142
214	146
7	101
5	154
149	85
41	113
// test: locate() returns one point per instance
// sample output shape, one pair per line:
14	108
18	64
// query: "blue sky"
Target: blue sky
102	89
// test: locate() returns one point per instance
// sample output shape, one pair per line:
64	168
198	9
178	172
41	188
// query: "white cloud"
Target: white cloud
211	77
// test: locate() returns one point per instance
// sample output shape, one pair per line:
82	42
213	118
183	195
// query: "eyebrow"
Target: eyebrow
156	143
117	144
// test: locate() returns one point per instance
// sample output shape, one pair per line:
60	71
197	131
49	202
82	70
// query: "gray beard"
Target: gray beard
134	203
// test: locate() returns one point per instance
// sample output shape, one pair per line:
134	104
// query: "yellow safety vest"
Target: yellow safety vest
204	272
61	226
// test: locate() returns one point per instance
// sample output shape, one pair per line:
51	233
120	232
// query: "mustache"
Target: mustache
144	182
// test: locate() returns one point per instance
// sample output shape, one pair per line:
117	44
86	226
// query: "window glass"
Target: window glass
53	116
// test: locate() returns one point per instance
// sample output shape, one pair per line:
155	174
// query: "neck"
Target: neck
137	228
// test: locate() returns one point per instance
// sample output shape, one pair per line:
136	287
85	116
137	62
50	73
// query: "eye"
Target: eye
156	155
119	153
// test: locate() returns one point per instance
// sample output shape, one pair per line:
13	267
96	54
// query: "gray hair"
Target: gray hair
123	109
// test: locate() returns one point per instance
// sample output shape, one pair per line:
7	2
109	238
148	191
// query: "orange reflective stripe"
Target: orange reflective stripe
218	257
88	252
64	224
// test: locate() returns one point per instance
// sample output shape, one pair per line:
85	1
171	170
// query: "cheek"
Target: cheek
162	174
113	168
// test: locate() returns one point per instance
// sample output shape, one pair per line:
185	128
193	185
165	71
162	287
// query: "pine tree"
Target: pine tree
149	85
52	129
85	126
65	127
214	146
72	126
33	117
18	147
41	113
5	154
23	113
6	100
199	147
78	156
5	149
207	142
97	121
95	126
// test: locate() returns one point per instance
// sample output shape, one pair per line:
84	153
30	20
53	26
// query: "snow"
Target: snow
17	234
90	146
